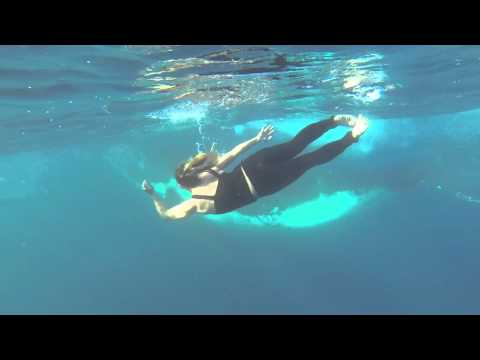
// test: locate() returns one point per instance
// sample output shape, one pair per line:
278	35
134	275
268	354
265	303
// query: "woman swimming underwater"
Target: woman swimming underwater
215	191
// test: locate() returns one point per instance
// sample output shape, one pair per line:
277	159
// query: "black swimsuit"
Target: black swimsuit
232	191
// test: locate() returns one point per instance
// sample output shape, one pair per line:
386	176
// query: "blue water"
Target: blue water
389	227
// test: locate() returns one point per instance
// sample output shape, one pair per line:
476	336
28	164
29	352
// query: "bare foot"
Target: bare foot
147	187
345	119
361	125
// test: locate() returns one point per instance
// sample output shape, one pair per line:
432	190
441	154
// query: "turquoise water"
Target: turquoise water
389	227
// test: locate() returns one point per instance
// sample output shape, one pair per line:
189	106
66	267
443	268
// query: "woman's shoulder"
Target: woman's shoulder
211	172
217	169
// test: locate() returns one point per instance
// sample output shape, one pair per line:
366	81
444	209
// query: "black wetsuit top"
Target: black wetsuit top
232	191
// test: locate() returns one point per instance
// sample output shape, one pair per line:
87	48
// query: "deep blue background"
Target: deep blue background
76	236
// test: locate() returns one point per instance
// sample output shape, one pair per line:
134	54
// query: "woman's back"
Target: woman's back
208	187
230	191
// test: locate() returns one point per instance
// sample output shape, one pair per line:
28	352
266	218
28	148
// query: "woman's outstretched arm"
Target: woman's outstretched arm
180	211
228	157
264	134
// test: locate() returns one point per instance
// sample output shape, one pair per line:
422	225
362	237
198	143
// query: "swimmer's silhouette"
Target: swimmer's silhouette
215	191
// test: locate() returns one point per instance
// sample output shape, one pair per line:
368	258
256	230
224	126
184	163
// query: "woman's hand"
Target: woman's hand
265	134
147	187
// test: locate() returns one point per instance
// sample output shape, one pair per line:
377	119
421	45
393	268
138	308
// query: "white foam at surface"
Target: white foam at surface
182	113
